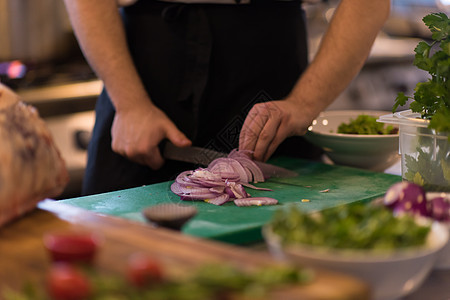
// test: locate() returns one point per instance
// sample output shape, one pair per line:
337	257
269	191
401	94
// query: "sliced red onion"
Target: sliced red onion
229	192
244	158
407	197
219	200
205	174
254	170
258	201
217	189
228	166
192	192
237	190
183	178
224	179
207	183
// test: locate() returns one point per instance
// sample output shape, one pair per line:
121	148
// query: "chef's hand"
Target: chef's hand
270	123
136	134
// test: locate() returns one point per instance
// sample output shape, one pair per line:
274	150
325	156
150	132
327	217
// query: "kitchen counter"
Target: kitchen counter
23	257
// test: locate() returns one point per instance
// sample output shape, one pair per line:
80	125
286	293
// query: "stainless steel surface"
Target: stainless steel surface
61	92
33	30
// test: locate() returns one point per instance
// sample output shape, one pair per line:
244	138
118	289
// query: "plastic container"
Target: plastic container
425	154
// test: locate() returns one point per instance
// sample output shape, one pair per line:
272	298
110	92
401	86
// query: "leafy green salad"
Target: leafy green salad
365	124
354	226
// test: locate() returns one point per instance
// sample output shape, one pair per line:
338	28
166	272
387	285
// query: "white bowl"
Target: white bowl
372	152
443	260
390	276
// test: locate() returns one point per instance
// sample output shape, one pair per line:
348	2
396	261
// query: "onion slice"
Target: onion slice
258	201
219	200
246	184
192	193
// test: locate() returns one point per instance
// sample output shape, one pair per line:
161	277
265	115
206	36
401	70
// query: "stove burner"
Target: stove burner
45	74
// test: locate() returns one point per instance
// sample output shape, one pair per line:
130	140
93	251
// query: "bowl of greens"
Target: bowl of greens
355	138
393	254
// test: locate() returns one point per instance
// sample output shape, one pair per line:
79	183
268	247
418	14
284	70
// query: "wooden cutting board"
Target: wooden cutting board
24	259
323	186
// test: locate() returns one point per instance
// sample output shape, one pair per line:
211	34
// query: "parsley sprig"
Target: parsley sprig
432	98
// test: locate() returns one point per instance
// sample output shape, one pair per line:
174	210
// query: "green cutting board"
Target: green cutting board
323	186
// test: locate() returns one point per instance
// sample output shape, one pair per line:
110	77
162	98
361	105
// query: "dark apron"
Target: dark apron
204	66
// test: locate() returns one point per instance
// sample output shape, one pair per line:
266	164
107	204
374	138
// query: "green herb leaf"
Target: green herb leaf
400	101
432	98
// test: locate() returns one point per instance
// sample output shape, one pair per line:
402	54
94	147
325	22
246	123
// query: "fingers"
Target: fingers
251	129
279	137
140	143
177	137
260	129
153	158
142	154
266	137
137	136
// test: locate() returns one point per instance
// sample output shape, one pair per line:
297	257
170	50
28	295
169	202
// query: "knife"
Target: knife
204	156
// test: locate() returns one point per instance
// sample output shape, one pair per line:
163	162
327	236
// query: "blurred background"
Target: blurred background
41	61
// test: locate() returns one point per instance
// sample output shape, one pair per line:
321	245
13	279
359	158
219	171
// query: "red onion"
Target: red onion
407	197
222	181
192	193
259	201
219	200
246	184
440	208
236	190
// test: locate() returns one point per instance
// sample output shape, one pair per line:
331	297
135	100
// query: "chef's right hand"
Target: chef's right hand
136	134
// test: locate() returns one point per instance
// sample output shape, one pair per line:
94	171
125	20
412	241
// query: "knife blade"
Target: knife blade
191	154
204	156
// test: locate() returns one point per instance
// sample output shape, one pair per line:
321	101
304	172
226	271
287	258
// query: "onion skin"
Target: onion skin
407	197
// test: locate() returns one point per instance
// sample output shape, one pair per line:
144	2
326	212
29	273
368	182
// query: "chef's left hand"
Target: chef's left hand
270	123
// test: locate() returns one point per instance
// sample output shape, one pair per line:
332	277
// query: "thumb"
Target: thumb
178	138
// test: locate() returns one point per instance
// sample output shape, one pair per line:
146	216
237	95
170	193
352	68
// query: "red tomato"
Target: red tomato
65	282
68	246
143	270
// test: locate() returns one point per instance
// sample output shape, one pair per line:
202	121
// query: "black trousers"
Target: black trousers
205	66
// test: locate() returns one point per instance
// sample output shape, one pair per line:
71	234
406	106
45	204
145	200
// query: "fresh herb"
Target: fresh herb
209	281
355	226
365	124
429	164
432	98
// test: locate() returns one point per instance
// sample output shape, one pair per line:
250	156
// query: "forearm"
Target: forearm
342	53
100	33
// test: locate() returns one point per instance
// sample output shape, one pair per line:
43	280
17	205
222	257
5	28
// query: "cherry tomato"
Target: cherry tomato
143	270
71	246
66	282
